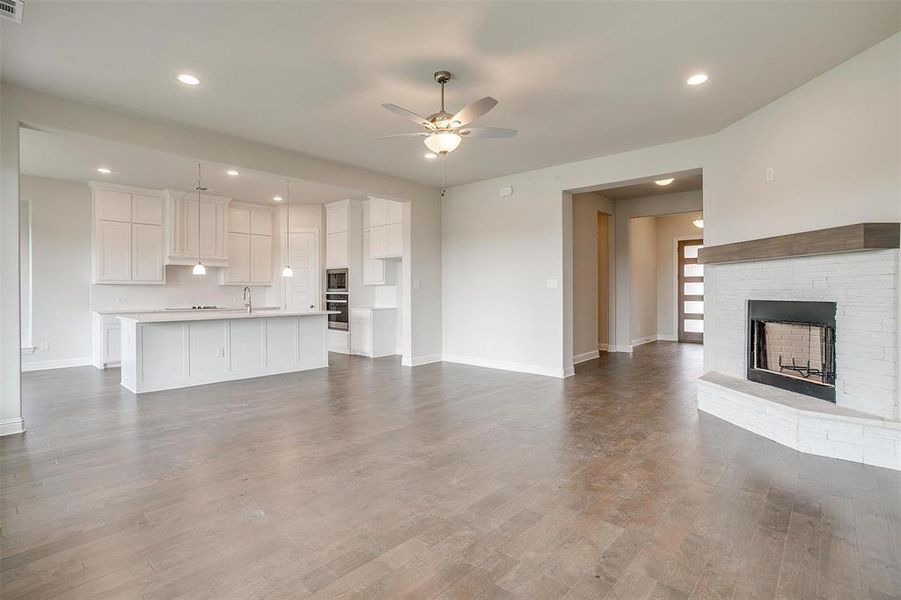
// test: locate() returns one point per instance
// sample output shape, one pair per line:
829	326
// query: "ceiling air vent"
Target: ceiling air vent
12	10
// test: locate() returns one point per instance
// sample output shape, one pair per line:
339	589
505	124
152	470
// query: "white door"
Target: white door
302	290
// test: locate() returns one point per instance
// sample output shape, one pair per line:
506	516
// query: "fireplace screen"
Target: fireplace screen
792	346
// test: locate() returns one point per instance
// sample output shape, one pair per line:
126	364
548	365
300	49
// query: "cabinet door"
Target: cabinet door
260	259
260	222
378	212
361	332
112	342
336	218
147	253
239	220
395	239
373	268
112	254
146	209
112	206
238	258
336	250
378	241
395	211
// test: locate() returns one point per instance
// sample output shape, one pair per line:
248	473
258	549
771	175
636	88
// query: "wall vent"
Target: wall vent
12	10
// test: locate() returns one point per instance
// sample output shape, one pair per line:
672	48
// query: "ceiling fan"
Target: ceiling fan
444	131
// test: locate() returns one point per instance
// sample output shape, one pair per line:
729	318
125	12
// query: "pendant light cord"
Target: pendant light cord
199	188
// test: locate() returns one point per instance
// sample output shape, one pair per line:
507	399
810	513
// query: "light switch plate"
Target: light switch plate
551	283
506	191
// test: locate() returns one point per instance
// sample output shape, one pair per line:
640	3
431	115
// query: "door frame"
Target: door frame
318	262
681	335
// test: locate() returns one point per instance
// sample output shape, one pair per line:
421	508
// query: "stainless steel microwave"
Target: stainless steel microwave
336	280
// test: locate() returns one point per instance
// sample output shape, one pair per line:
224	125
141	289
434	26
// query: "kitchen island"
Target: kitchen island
162	351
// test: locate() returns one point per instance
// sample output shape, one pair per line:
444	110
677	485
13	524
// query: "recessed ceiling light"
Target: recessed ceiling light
188	79
430	155
232	173
277	198
697	79
104	170
666	181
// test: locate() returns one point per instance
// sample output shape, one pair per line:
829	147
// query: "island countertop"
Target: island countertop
219	315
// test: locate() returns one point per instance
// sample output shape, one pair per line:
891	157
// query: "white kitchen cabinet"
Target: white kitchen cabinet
260	259
336	217
128	234
182	240
386	229
249	246
238	271
373	268
112	252
239	220
261	222
146	209
373	331
146	253
106	340
112	205
336	250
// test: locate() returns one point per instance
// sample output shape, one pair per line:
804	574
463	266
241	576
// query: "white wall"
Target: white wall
833	142
642	279
585	270
60	269
670	229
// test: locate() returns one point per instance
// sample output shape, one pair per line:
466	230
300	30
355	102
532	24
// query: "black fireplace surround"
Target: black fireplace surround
816	380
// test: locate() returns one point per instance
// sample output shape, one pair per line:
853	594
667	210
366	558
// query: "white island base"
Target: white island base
167	351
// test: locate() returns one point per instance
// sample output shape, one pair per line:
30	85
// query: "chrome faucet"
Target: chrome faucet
246	297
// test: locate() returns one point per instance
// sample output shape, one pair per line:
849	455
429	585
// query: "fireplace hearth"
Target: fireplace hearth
791	345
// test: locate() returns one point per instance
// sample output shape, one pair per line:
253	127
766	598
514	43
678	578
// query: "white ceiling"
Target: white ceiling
45	154
579	79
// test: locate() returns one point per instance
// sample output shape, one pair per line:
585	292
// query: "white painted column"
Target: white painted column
11	421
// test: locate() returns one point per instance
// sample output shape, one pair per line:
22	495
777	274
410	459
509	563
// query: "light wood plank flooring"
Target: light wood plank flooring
369	480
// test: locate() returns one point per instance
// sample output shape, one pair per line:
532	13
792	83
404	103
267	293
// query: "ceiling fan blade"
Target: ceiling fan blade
400	135
488	132
408	114
473	111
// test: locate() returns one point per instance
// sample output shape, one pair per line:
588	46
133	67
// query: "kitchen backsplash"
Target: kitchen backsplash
182	289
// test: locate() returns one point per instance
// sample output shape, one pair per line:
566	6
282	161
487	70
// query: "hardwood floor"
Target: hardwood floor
369	480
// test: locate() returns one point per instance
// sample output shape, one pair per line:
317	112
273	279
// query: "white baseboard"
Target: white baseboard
644	340
507	366
585	356
62	363
421	360
666	337
12	426
620	348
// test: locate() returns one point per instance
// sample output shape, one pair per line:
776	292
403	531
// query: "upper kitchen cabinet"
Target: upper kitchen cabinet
184	234
249	245
386	228
343	229
373	268
128	235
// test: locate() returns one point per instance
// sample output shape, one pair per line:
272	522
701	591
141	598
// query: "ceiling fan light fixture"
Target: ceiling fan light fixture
443	142
430	156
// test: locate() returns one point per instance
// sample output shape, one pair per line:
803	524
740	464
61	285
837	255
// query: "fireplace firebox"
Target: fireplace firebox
791	345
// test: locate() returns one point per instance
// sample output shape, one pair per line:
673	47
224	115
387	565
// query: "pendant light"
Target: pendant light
199	269
287	271
699	222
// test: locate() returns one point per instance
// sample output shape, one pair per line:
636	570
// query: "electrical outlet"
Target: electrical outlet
44	346
416	284
122	300
551	283
505	191
770	173
220	352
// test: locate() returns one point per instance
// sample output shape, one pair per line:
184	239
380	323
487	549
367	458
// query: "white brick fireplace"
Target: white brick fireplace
864	424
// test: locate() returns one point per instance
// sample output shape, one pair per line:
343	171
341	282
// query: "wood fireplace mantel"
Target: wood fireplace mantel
848	238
